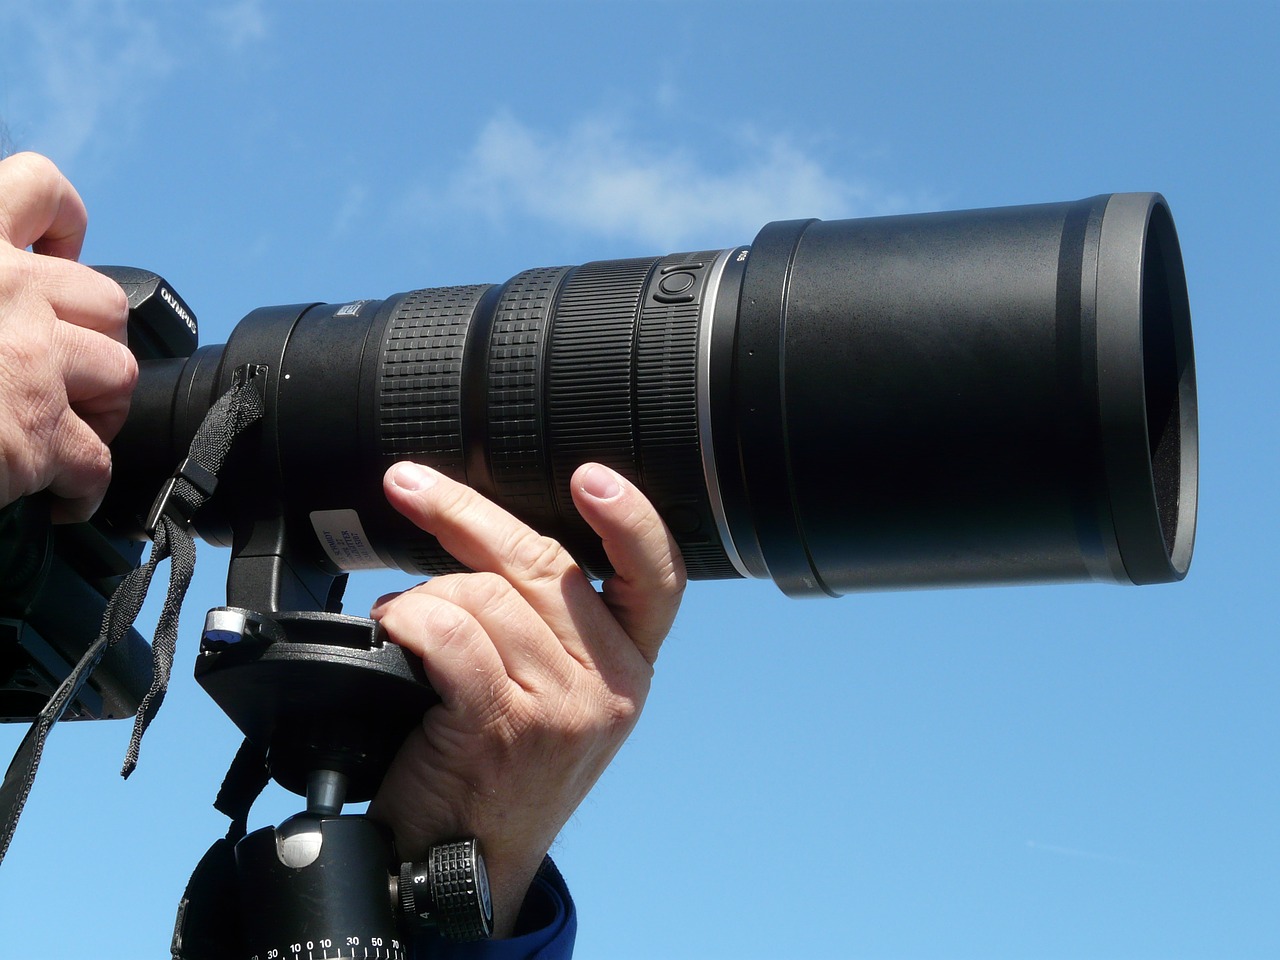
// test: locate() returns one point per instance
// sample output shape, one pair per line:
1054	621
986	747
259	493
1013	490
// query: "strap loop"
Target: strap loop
180	509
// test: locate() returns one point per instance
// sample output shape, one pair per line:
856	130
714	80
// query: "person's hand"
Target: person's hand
65	373
541	677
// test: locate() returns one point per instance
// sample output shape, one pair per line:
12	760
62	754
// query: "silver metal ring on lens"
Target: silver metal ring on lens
709	473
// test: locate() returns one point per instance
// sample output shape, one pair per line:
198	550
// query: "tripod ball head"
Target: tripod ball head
324	888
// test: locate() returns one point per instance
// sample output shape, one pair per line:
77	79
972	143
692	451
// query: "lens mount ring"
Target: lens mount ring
710	472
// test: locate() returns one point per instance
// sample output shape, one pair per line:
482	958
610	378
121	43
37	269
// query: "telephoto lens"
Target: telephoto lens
961	398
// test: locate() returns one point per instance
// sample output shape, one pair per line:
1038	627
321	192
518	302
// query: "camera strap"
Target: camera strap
168	526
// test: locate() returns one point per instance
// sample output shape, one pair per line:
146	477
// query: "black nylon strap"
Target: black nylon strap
245	780
178	502
235	411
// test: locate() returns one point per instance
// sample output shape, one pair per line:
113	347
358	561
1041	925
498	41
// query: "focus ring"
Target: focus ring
419	392
667	440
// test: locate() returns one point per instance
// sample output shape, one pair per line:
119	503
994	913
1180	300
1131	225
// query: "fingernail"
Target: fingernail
413	477
601	482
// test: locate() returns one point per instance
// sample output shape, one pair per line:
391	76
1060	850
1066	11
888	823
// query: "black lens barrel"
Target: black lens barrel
967	398
976	397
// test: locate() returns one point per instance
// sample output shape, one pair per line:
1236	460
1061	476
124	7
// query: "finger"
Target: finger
649	575
82	296
460	660
533	656
484	537
39	208
98	376
82	465
383	600
94	367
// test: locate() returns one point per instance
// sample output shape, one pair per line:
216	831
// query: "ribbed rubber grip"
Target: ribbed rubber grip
589	368
420	390
420	380
517	445
567	364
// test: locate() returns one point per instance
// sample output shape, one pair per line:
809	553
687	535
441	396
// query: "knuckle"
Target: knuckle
673	578
670	574
441	583
97	462
619	711
40	173
474	591
592	707
448	625
602	717
88	461
35	165
451	499
541	557
489	590
116	367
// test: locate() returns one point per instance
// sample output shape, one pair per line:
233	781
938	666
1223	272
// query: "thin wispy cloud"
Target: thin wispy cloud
81	76
354	202
241	24
1075	853
87	70
599	178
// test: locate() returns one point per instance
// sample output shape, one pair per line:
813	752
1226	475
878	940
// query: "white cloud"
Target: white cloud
597	179
84	73
241	24
81	75
354	201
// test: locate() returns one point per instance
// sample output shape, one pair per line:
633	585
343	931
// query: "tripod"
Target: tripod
325	700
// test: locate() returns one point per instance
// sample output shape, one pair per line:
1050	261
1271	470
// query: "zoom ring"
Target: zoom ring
517	448
590	409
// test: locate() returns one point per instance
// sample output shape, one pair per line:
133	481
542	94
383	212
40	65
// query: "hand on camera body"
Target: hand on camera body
541	676
65	373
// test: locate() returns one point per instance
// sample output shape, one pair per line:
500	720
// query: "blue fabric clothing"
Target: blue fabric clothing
545	930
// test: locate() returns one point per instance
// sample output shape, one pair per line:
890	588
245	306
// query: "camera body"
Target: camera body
58	578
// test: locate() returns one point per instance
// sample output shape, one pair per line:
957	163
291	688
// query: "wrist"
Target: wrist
510	876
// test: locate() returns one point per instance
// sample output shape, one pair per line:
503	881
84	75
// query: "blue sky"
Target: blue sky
1055	772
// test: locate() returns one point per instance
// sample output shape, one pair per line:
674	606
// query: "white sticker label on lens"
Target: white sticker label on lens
344	540
351	309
